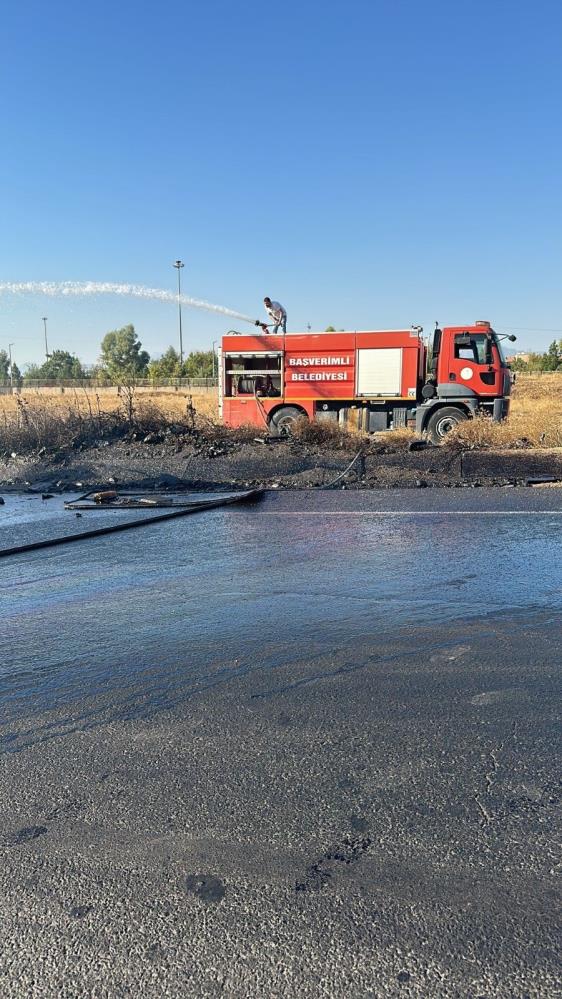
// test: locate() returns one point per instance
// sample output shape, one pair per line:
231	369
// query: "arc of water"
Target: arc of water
58	289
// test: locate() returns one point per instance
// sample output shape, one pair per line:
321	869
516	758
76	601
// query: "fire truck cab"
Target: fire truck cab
373	380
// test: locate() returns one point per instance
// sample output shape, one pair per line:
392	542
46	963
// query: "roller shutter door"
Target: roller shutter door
379	371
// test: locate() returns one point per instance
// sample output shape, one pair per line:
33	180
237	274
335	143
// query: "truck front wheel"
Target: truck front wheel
443	421
283	421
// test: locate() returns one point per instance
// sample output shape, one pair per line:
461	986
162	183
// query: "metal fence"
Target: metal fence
95	383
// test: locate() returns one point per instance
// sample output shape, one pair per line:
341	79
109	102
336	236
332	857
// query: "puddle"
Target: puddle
188	603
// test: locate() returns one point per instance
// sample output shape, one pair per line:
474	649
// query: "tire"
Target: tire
443	421
284	419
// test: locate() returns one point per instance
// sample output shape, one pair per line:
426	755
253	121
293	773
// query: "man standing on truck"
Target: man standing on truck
276	312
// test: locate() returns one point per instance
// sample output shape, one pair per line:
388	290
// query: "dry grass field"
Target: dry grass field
535	419
108	400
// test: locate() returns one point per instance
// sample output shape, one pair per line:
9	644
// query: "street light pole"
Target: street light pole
46	346
178	265
10	345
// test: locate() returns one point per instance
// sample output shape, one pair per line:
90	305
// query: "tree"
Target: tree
8	377
553	357
121	354
4	367
518	364
535	362
98	374
199	364
62	365
167	366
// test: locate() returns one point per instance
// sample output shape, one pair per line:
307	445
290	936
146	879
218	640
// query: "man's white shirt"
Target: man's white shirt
276	311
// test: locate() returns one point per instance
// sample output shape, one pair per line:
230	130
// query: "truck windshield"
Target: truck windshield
498	344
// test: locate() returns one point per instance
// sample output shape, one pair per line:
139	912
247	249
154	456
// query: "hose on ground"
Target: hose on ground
128	525
345	471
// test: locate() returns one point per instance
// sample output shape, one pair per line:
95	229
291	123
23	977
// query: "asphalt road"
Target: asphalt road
307	749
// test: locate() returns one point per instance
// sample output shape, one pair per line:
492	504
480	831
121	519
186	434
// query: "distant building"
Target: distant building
521	355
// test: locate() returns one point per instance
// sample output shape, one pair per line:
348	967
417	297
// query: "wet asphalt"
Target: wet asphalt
304	748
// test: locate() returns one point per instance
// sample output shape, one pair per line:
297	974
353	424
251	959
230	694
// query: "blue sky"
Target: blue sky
369	164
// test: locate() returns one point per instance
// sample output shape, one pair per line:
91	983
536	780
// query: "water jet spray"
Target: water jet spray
86	289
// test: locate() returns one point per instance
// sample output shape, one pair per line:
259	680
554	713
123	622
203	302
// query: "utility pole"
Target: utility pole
46	345
178	265
214	357
10	345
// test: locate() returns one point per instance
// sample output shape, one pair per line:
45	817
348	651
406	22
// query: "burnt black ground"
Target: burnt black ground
377	817
241	463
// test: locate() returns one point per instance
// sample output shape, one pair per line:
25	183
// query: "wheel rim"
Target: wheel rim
286	425
445	425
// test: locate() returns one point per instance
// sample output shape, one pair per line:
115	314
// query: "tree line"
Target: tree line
121	359
551	360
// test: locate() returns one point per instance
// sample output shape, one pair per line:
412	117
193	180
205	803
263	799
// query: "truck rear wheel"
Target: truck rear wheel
283	421
443	421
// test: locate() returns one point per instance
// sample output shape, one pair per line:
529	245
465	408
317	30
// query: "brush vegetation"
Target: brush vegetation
37	419
535	418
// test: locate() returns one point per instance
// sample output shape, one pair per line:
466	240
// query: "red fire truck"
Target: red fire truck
377	380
